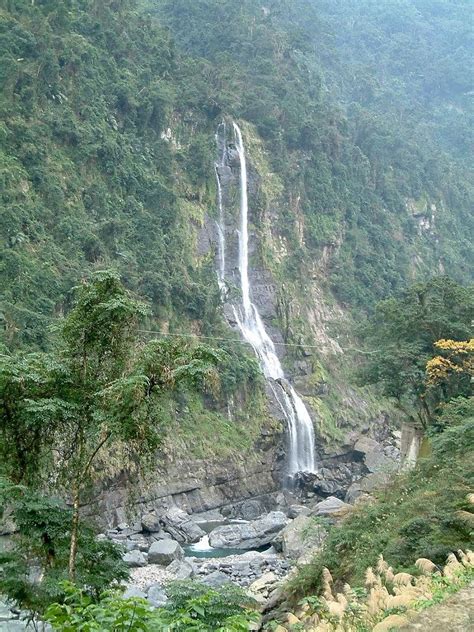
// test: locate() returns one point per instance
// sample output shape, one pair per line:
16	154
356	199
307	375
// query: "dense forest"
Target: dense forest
89	179
115	345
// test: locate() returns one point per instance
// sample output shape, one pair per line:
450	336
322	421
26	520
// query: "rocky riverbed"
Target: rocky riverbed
163	551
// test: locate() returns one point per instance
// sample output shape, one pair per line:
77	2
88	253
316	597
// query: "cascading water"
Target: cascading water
301	456
220	224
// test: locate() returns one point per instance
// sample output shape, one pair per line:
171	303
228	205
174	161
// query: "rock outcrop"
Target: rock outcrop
249	535
164	552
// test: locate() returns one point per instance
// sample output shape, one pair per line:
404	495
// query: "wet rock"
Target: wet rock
164	552
181	526
136	558
249	535
157	596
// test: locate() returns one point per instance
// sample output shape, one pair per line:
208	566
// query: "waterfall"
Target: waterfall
220	224
301	453
221	236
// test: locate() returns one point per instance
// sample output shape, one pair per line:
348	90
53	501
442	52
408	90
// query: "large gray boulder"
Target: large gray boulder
157	596
164	552
249	535
150	522
373	455
302	535
133	591
251	509
135	558
181	526
331	505
181	569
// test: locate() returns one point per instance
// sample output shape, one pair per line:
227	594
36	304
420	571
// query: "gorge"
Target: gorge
236	313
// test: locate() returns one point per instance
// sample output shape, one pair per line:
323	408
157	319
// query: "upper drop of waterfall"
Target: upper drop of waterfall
301	457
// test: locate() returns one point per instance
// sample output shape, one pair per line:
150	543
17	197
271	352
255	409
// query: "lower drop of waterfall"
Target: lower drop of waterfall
301	453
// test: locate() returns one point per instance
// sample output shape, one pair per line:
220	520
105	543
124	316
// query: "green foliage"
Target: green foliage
348	126
106	144
110	614
191	607
101	400
87	178
401	336
34	567
420	514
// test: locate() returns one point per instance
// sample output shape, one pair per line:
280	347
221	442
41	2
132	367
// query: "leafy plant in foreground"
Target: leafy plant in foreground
192	607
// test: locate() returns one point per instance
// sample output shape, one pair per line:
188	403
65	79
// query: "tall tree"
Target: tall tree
402	335
93	394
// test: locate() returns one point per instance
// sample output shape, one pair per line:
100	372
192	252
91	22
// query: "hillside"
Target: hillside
224	223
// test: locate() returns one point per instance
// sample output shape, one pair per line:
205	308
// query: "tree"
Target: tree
94	394
402	336
36	562
457	361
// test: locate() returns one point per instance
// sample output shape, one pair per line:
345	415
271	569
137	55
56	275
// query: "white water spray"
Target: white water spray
301	456
221	223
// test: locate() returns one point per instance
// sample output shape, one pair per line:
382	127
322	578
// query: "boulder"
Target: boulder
164	552
157	596
133	591
373	455
216	579
181	526
251	509
150	522
264	583
249	535
135	558
296	510
181	569
331	505
139	542
301	535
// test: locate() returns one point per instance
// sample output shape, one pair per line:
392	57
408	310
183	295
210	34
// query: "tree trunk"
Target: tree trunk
74	532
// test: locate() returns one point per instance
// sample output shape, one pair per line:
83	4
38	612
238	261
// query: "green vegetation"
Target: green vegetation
357	124
191	606
33	569
87	409
426	512
401	337
107	145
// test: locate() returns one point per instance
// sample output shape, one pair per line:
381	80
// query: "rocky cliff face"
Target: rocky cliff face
356	439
